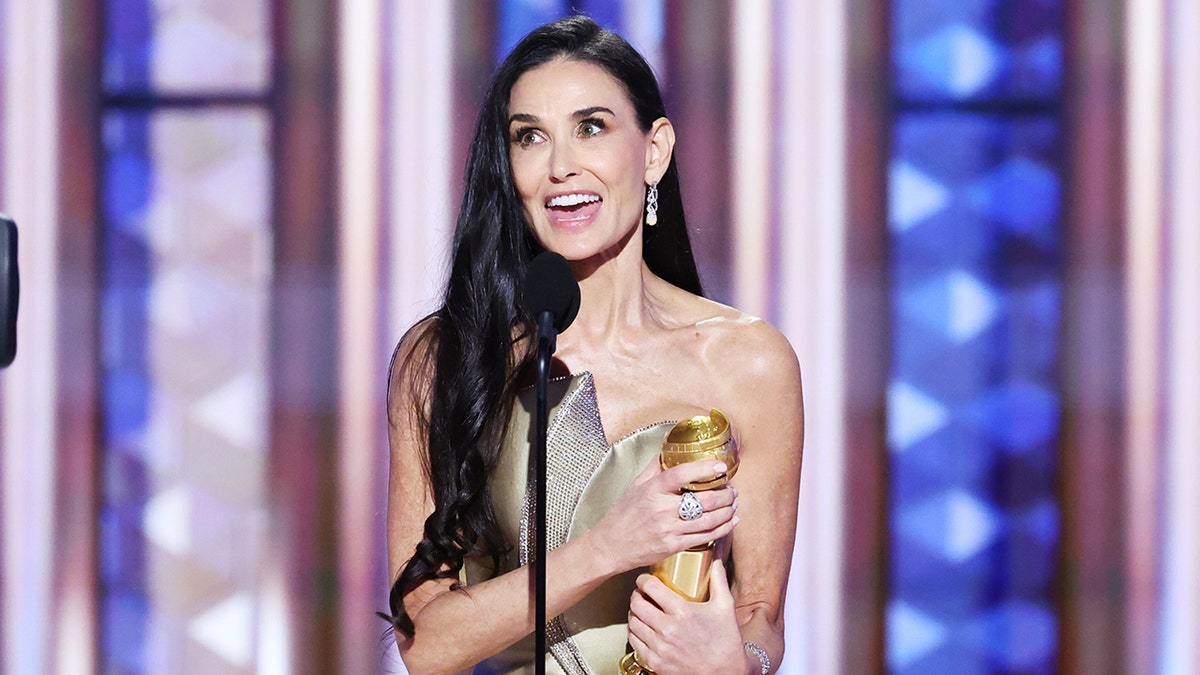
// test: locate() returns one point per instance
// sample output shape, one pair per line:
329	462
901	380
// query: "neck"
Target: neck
614	298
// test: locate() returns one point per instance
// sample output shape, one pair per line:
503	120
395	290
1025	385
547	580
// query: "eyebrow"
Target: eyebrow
588	112
578	114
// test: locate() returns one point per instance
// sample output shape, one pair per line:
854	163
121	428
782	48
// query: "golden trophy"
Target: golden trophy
702	437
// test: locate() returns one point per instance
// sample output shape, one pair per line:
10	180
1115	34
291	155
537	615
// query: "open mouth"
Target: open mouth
573	207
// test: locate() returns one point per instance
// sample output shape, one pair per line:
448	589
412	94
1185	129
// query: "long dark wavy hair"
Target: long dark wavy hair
474	345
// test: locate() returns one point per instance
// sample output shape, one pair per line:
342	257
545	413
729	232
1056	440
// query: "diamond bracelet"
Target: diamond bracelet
764	661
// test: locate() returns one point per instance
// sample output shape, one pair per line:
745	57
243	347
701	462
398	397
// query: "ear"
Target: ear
658	153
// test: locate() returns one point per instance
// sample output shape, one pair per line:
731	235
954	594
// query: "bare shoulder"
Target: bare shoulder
747	350
420	338
748	370
411	369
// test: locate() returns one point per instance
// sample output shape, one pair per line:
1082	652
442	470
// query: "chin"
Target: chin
573	253
583	244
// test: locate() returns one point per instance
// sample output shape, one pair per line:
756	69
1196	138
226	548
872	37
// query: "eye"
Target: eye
590	127
526	136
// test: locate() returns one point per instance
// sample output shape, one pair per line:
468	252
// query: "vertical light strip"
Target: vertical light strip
752	86
1144	109
361	401
642	25
27	434
809	262
4	97
275	624
1180	617
421	217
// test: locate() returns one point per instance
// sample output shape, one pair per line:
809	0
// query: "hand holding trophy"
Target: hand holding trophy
701	437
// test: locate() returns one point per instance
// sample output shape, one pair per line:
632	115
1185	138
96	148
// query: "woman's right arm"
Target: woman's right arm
457	629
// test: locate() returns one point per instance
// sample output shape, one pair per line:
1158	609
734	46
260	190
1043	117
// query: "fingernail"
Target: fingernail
734	492
736	520
720	467
735	505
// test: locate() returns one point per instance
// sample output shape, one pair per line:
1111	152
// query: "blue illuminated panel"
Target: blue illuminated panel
186	47
127	268
128	32
994	50
515	18
976	260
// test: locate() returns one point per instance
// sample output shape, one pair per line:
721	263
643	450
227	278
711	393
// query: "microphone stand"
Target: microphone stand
546	346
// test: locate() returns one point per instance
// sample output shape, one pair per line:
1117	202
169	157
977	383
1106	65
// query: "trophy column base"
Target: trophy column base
630	666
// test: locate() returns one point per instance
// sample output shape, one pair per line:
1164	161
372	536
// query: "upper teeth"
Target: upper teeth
572	200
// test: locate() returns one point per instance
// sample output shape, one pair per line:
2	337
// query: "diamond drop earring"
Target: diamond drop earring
652	205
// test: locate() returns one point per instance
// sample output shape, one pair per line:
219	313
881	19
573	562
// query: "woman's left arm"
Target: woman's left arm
765	405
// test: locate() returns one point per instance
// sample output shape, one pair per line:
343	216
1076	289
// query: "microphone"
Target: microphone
551	297
550	287
10	291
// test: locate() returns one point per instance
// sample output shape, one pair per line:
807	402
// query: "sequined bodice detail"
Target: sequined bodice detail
575	446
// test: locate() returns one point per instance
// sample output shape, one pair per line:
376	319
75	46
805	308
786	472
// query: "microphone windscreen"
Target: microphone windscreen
9	291
551	287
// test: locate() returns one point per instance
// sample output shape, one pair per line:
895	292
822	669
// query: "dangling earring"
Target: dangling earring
652	205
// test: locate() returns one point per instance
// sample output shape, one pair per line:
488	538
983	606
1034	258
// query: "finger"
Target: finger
718	585
660	594
645	655
700	538
653	468
716	499
710	500
692	472
640	628
712	524
710	519
645	609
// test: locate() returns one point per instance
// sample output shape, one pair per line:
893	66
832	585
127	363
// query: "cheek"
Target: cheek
632	181
527	181
631	166
523	177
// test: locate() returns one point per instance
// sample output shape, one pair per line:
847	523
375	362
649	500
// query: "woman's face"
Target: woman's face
580	161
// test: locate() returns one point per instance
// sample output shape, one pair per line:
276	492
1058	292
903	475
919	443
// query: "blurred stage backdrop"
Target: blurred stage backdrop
976	220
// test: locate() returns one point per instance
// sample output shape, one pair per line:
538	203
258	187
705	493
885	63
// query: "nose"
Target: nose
563	164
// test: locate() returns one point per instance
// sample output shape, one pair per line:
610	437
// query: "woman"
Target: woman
573	153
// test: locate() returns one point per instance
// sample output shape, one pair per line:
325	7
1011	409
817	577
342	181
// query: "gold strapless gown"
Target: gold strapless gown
584	476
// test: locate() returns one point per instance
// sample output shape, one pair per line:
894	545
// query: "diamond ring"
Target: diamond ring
690	507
